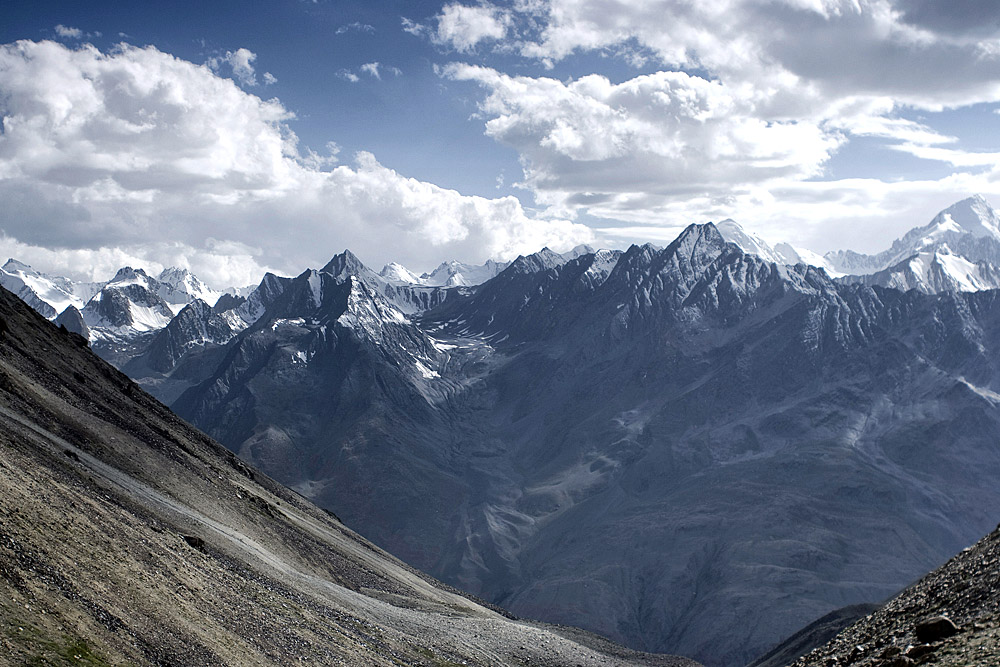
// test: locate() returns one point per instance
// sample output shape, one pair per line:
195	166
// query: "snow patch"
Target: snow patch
297	321
426	372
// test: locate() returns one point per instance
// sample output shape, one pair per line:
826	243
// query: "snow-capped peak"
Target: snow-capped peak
973	215
936	270
49	295
748	242
578	251
398	274
970	228
129	276
13	265
453	274
185	282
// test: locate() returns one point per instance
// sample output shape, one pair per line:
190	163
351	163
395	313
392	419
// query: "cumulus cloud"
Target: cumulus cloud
463	27
142	152
625	150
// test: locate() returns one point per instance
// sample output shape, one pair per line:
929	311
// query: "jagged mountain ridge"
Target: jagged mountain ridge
188	349
185	351
406	297
341	329
969	228
959	250
731	424
933	272
126	536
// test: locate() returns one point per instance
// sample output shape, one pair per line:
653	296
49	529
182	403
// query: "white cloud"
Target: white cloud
269	79
626	150
829	48
68	32
463	27
149	155
221	264
412	27
373	69
756	99
241	61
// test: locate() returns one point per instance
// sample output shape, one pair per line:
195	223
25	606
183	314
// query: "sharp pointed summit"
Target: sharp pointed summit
345	264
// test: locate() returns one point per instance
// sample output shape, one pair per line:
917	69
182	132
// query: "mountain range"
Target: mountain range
128	537
125	535
695	449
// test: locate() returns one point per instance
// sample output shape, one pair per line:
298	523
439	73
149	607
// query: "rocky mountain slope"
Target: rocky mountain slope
128	537
587	441
951	618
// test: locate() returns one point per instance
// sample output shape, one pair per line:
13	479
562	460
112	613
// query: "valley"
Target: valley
687	449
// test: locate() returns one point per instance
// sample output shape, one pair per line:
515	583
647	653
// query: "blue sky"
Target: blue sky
231	138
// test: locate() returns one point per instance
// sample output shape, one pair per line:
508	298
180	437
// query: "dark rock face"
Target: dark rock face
228	302
72	319
196	325
188	349
595	446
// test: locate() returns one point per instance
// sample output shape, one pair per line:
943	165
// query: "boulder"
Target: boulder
934	629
